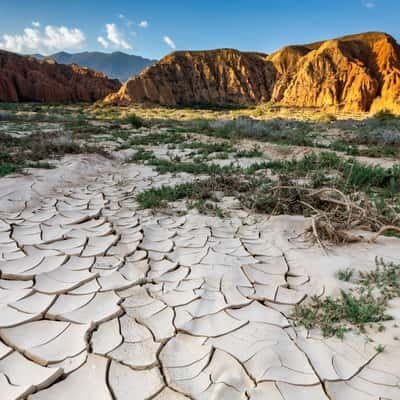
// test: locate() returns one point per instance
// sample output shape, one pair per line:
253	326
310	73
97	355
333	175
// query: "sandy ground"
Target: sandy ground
275	151
102	300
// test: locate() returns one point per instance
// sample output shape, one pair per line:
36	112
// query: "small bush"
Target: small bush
136	121
195	168
384	115
386	278
366	304
27	151
142	155
277	130
154	138
205	149
331	314
345	274
8	168
160	197
255	152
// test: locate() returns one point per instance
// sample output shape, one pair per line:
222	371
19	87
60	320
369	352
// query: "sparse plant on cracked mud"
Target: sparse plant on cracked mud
366	304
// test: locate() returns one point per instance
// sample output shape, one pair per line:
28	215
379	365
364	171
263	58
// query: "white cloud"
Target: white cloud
62	37
103	42
36	24
116	37
52	38
144	24
169	42
369	3
121	16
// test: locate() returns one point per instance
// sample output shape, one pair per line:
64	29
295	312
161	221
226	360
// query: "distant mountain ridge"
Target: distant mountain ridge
115	65
353	73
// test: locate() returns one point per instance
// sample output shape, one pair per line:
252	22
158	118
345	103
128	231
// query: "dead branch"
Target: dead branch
383	230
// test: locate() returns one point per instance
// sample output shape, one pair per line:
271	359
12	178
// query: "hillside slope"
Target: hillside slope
354	73
24	78
219	76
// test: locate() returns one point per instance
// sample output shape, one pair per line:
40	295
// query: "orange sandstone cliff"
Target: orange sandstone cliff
353	73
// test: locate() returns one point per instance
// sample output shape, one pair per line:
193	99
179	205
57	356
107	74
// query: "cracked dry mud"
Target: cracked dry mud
101	300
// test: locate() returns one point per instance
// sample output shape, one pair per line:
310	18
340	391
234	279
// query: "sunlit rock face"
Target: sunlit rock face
353	73
219	76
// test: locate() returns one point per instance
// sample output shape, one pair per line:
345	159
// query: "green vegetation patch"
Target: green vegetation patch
279	131
366	304
205	149
345	274
342	194
11	168
196	192
154	139
252	153
352	174
8	168
160	197
29	151
195	168
136	121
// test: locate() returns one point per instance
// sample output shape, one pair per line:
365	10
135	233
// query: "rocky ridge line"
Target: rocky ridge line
353	73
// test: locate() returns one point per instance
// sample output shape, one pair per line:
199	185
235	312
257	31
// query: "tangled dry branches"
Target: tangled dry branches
335	215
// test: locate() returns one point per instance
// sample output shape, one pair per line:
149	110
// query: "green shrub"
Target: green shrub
136	121
8	168
160	197
345	274
365	305
384	115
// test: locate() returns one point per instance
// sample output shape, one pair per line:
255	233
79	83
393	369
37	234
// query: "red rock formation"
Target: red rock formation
354	73
202	77
24	78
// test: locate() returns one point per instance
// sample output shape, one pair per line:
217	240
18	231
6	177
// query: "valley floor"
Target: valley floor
135	265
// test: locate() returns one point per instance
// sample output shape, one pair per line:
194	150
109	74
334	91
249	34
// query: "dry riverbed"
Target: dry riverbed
153	261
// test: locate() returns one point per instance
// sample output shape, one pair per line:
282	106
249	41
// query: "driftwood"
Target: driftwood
334	215
383	230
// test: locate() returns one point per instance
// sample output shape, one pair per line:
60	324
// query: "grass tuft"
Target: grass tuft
345	274
364	305
136	121
160	197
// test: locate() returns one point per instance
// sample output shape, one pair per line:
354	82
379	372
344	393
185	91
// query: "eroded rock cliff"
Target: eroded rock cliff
354	73
199	77
24	78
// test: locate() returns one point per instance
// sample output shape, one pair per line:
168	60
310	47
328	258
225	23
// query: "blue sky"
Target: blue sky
154	28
